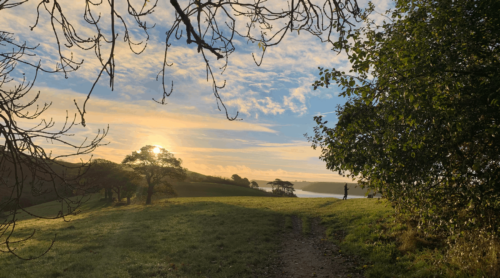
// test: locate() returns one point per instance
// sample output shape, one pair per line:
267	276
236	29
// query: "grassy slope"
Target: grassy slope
203	189
212	236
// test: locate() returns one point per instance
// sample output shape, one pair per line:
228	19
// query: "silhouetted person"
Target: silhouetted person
345	192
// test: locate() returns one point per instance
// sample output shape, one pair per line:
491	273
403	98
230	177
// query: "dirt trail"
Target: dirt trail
312	255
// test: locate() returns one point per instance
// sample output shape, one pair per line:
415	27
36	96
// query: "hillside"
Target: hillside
204	189
27	197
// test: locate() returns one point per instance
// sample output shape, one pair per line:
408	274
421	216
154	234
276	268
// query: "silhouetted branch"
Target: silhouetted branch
217	24
25	167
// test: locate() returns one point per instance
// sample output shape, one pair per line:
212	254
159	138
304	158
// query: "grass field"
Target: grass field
207	237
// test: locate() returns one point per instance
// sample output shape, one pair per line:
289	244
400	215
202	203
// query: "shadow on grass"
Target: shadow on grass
209	238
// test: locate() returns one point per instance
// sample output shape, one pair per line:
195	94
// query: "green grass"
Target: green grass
306	225
203	189
208	236
187	236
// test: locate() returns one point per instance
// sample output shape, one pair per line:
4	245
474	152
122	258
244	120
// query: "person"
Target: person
345	192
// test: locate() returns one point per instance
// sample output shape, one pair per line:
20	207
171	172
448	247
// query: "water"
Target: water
308	194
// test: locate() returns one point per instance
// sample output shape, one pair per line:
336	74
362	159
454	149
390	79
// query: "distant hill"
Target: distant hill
194	176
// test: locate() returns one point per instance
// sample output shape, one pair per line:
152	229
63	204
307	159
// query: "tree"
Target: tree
422	121
240	181
236	178
101	175
128	185
111	177
245	182
25	167
156	164
211	26
254	184
282	188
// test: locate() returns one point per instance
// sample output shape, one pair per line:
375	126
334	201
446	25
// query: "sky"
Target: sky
276	102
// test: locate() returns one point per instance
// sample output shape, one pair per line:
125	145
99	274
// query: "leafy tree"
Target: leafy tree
421	124
111	177
236	178
245	182
101	175
282	188
156	164
240	181
254	184
130	185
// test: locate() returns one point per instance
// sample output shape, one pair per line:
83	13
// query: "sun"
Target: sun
156	150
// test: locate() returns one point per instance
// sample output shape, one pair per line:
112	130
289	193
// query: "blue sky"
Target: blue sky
276	101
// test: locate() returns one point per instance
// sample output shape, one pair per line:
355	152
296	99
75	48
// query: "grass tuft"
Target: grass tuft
306	225
288	222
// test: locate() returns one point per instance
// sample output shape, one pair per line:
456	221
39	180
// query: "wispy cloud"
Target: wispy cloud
268	97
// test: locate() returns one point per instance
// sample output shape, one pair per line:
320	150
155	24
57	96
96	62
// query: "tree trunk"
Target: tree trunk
128	200
110	194
119	195
150	193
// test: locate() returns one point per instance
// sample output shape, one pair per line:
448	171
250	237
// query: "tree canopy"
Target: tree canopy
156	164
254	184
421	124
240	181
111	177
282	188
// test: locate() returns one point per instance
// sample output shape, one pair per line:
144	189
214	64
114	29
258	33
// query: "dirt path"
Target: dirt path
312	255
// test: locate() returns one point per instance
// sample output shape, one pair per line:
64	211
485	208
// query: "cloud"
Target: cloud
188	126
144	114
297	94
252	104
323	114
271	174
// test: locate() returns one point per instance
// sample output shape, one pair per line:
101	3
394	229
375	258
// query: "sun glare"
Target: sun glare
156	150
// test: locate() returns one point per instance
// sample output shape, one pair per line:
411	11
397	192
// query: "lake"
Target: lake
308	194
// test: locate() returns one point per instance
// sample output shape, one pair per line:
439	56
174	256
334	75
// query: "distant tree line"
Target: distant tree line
112	178
234	180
